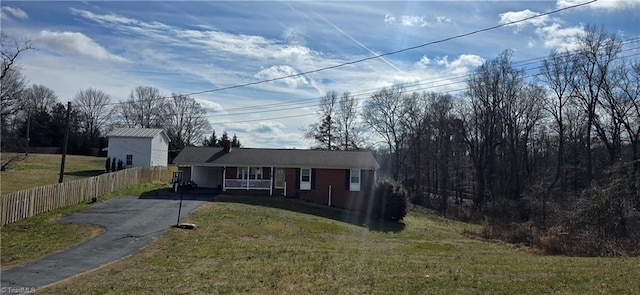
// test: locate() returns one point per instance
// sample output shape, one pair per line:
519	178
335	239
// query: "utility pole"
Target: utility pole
65	143
26	151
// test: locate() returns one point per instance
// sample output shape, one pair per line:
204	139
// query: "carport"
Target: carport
204	176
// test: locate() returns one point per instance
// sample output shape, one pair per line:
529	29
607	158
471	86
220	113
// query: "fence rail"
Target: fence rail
30	202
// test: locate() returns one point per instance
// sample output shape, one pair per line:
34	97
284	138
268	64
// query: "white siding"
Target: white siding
146	151
159	151
140	148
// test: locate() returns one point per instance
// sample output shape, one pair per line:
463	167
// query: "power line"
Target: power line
393	52
382	54
407	89
410	86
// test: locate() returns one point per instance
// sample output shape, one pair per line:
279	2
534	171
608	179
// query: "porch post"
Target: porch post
248	174
271	182
224	178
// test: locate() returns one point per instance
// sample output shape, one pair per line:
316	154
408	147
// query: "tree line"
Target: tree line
33	116
552	159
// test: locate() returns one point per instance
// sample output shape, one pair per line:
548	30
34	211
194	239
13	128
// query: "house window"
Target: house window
249	173
129	160
279	178
305	179
354	180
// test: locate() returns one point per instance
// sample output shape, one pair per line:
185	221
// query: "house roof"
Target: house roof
137	133
217	157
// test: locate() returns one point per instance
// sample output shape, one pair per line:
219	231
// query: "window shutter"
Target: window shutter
363	180
347	179
298	178
313	178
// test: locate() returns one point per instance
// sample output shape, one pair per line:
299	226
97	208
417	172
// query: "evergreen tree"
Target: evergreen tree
235	142
212	141
225	137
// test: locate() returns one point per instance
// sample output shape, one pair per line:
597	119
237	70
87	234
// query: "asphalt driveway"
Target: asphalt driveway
131	222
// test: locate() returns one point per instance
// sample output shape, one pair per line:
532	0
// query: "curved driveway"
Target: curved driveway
130	222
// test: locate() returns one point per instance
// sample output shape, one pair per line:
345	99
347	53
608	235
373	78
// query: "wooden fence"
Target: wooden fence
29	202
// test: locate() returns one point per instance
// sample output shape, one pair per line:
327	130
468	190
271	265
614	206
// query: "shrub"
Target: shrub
390	200
107	165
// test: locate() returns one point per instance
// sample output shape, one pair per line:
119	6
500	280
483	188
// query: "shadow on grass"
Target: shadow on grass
196	194
86	173
296	205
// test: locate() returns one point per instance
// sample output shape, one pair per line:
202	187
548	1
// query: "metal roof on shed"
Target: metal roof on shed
136	132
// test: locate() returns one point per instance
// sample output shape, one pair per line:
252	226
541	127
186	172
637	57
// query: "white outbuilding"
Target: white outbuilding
139	147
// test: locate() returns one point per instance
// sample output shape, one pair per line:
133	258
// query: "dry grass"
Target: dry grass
262	245
42	169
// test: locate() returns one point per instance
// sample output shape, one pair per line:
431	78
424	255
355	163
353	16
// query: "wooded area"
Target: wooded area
33	116
552	158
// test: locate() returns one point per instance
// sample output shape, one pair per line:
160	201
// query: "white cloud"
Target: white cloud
408	20
549	30
389	18
602	4
556	37
294	36
210	106
423	62
8	12
275	72
512	16
413	21
222	43
78	43
461	65
443	19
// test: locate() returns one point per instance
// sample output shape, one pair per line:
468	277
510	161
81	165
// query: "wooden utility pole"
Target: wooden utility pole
65	143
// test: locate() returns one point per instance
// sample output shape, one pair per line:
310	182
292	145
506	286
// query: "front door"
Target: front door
279	178
305	179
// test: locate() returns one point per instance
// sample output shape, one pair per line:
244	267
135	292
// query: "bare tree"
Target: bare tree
348	128
38	99
145	108
557	72
442	124
187	123
627	107
12	86
12	82
324	133
490	88
417	125
384	112
94	109
596	52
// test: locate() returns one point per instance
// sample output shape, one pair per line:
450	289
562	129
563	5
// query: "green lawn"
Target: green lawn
42	169
264	245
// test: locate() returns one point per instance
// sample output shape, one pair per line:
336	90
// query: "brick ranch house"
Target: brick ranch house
343	179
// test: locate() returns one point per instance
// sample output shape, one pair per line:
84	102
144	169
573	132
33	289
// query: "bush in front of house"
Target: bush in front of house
390	200
107	165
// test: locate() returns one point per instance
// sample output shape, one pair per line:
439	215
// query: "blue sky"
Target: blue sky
194	47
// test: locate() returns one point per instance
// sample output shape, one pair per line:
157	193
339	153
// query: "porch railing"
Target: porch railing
248	184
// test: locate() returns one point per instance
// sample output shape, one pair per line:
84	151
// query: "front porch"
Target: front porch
247	184
253	178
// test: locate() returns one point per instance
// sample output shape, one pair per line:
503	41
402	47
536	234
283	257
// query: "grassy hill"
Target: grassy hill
264	245
42	169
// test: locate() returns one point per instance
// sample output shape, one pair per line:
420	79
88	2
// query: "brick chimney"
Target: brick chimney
226	145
